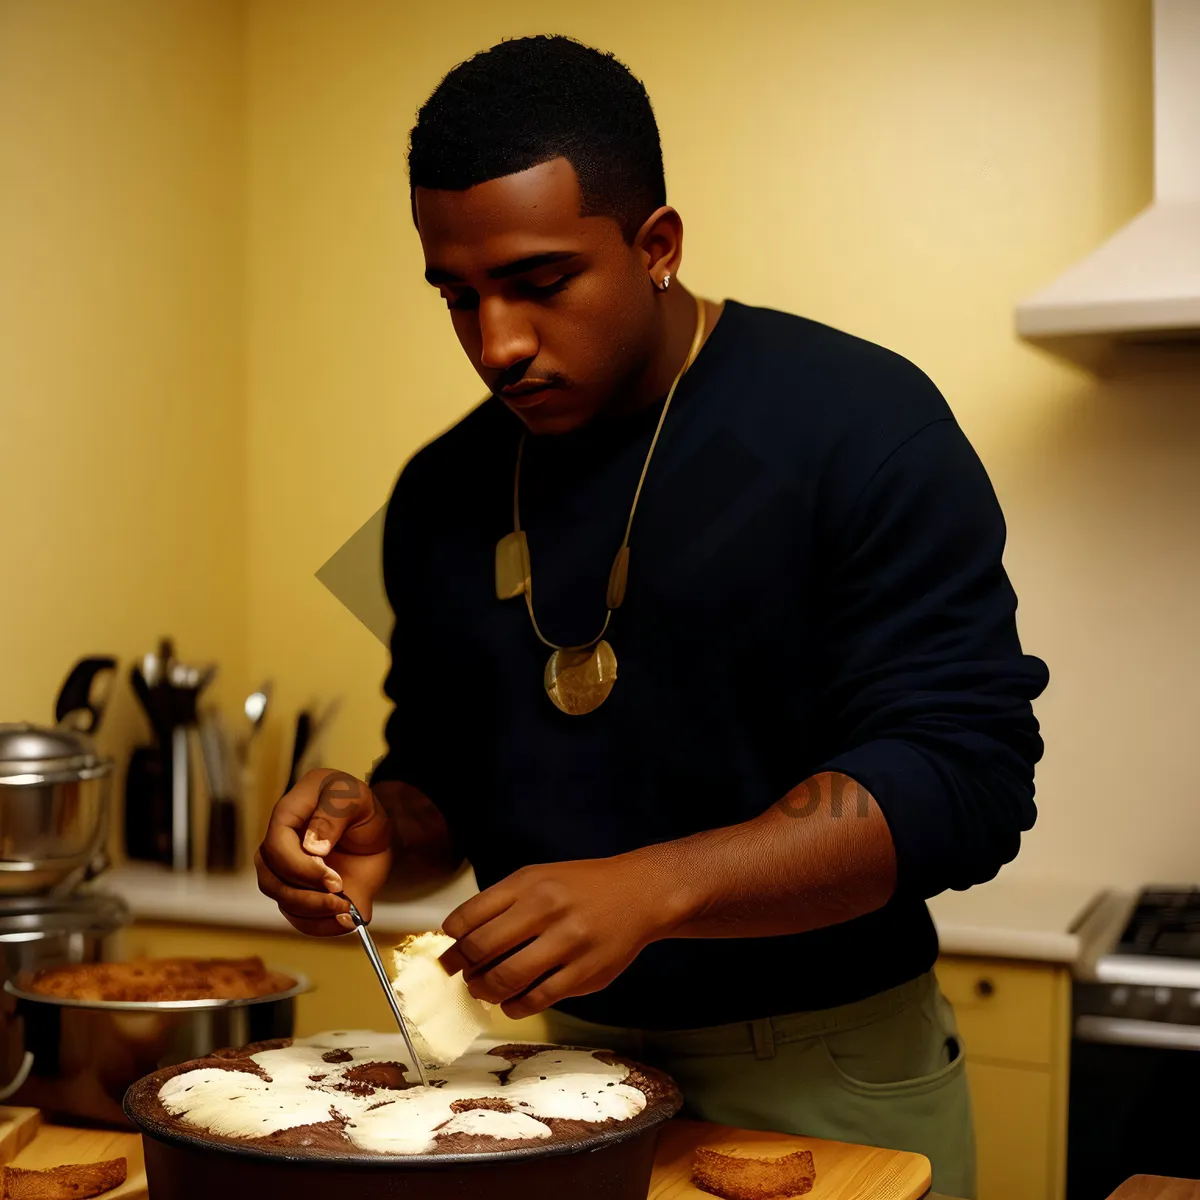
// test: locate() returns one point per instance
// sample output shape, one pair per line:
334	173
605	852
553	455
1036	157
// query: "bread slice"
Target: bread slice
75	1182
442	1015
735	1177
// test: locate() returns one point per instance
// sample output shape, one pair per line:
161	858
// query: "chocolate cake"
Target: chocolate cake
161	980
353	1095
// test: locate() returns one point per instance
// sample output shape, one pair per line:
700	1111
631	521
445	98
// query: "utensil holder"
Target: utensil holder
160	804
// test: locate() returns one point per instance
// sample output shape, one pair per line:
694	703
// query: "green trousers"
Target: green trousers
885	1071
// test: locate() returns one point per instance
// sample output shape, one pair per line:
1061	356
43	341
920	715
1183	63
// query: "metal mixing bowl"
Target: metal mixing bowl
48	931
86	1054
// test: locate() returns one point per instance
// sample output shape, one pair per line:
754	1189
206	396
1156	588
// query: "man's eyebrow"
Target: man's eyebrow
518	267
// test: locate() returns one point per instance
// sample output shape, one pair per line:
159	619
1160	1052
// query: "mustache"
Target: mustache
521	371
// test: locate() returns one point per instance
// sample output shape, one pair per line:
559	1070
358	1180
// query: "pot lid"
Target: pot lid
29	918
30	752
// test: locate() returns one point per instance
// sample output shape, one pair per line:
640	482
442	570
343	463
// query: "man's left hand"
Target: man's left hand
557	930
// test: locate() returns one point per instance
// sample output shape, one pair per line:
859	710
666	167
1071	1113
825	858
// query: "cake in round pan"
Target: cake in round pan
352	1093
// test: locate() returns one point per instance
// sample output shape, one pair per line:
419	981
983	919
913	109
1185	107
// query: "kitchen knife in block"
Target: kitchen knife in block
299	746
318	728
148	806
221	842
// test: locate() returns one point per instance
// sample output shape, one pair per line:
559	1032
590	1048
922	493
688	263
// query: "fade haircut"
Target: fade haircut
529	100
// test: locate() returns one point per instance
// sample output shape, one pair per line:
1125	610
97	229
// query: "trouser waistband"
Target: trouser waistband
762	1036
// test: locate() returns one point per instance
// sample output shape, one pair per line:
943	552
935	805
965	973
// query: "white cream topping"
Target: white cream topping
443	1017
571	1084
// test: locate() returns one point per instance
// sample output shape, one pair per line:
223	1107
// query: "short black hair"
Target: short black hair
529	100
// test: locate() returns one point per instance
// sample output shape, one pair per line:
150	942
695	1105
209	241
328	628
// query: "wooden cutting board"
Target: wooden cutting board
844	1172
57	1145
17	1129
1157	1187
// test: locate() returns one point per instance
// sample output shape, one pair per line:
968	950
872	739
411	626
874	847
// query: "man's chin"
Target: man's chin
551	418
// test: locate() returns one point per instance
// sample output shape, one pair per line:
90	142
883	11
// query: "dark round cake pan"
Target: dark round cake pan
614	1163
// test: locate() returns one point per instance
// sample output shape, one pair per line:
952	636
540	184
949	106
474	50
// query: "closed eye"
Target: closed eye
468	299
537	291
464	301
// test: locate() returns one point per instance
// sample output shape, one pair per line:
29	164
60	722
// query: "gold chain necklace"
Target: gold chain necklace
578	679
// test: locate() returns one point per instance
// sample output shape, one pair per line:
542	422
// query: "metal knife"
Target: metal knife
360	927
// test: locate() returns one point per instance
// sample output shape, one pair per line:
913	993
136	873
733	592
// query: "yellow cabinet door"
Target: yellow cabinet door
1014	1128
1015	1021
1005	1010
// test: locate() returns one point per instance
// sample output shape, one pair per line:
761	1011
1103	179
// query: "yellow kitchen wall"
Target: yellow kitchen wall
905	171
122	433
216	350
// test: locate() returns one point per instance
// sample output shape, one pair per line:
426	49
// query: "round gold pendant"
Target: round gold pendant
579	681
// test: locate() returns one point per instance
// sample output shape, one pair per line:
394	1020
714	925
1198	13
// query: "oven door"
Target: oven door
1133	1103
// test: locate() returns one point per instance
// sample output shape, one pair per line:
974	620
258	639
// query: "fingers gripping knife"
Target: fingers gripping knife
360	927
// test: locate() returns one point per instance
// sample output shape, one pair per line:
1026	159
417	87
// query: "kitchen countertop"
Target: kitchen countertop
156	894
1014	917
1010	917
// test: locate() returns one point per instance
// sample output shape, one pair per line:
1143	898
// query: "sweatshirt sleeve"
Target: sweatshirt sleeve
409	732
930	696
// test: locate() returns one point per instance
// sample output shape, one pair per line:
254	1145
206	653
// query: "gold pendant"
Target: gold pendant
579	681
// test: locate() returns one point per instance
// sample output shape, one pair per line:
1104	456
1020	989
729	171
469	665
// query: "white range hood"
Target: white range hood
1143	284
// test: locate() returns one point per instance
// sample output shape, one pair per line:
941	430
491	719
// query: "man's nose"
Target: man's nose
505	337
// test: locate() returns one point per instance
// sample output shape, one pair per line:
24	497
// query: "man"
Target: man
706	835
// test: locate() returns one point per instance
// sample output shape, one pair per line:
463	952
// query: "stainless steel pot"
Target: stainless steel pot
46	931
86	1054
53	809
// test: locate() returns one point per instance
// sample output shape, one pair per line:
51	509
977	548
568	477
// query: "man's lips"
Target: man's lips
527	393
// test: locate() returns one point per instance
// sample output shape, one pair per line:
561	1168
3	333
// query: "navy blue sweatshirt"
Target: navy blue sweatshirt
815	584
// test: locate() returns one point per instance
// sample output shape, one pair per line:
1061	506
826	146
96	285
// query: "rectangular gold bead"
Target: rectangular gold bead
617	579
512	566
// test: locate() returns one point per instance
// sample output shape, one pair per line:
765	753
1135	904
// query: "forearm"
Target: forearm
422	850
821	855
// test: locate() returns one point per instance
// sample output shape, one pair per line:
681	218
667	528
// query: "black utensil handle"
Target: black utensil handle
148	806
355	915
158	724
76	692
222	852
303	728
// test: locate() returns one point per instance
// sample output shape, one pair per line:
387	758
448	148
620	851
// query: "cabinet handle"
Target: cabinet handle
984	988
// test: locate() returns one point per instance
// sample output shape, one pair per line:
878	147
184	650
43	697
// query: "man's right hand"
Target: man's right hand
329	834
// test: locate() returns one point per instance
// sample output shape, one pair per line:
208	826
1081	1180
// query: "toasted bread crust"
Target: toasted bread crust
734	1177
73	1182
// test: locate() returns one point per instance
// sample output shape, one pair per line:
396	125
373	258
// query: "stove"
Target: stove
1164	923
1135	1037
1144	968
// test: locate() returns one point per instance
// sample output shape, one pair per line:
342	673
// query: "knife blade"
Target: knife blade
360	927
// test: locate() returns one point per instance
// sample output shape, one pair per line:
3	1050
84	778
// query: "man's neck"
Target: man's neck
680	314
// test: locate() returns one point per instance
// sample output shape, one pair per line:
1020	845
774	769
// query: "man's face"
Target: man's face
555	311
